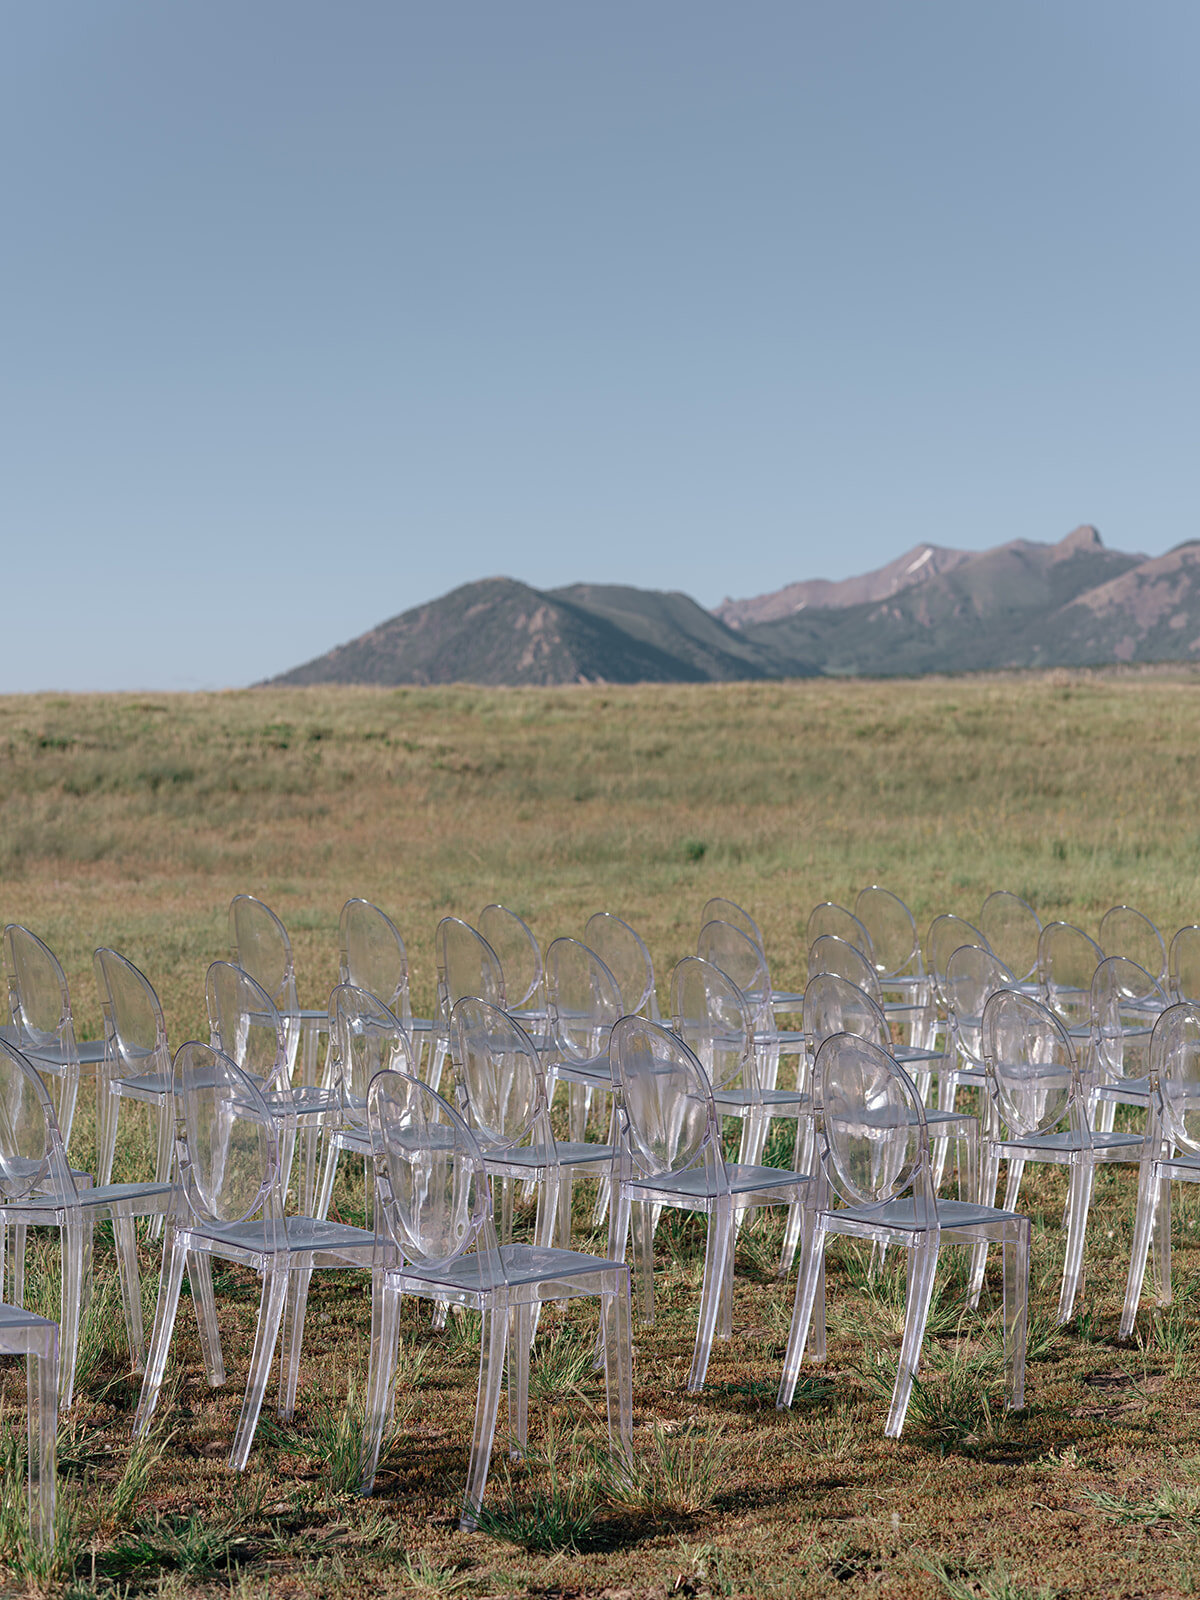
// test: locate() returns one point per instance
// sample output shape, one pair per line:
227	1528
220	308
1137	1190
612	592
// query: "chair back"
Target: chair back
31	1148
831	918
1130	933
134	1029
834	1004
42	1025
1031	1065
1067	962
1125	999
720	910
667	1102
892	930
367	1038
260	946
831	954
1184	964
500	1081
227	1139
972	976
245	1024
741	960
583	1001
1012	929
371	956
625	955
466	965
946	934
871	1123
519	952
710	1014
1175	1075
430	1178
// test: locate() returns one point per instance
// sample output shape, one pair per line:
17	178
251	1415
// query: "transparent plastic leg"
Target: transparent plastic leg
922	1267
18	1264
125	1238
989	1176
643	1255
1143	1229
270	1315
73	1271
518	1380
808	1284
717	1252
381	1373
1012	1186
1162	1243
164	1160
329	1166
174	1258
618	1366
199	1270
1016	1309
41	1384
108	1110
293	1338
1082	1175
492	1340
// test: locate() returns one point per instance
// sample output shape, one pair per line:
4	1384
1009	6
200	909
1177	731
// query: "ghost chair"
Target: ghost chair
720	910
895	944
437	1239
624	953
365	1038
1012	929
229	1203
1183	980
501	1093
522	963
830	954
671	1155
39	1189
260	945
1170	1151
873	1140
372	956
24	1334
41	1025
1067	962
1125	1000
466	965
947	934
1129	933
583	1000
1037	1110
137	1061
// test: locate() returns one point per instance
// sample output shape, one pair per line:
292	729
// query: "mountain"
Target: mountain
499	631
1074	603
918	565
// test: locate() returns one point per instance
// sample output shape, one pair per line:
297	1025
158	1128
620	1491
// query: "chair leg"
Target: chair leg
989	1176
716	1260
493	1337
520	1330
18	1265
199	1270
1082	1176
643	1255
808	1284
922	1266
108	1111
293	1337
76	1240
618	1366
1016	1310
329	1166
1162	1243
1012	1186
125	1238
174	1257
41	1388
1143	1229
270	1315
381	1373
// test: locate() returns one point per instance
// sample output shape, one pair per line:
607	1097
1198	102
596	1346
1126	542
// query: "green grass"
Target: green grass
132	820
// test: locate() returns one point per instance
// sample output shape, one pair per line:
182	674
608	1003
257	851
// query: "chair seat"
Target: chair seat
566	1153
518	1264
303	1233
737	1102
936	1118
902	1214
1126	1091
913	1054
594	1074
1185	1167
793	1040
1068	1140
144	1085
743	1179
124	1196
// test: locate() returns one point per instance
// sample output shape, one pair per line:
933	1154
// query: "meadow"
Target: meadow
131	821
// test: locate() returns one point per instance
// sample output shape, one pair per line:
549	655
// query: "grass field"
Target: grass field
131	820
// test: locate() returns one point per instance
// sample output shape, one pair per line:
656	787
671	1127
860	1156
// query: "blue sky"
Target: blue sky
312	311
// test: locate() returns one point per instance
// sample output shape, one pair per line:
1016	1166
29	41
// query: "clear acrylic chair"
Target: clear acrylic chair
624	953
831	954
947	934
1130	933
466	965
229	1204
1067	962
372	956
1125	1003
720	910
1012	929
137	1061
260	945
1037	1110
1170	1151
38	1189
502	1095
365	1037
671	1155
828	917
895	944
971	977
1184	964
40	1022
873	1141
522	963
583	1001
24	1334
438	1240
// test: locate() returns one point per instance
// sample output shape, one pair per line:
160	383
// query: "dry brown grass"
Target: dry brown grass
132	820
